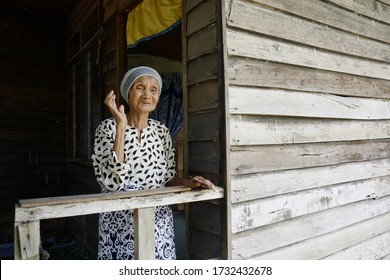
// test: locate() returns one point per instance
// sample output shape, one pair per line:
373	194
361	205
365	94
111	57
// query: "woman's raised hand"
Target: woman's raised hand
117	112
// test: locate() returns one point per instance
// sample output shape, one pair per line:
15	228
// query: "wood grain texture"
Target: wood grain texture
270	102
106	205
261	185
373	248
257	213
259	73
370	8
250	130
306	228
256	18
201	16
276	50
332	15
366	240
252	159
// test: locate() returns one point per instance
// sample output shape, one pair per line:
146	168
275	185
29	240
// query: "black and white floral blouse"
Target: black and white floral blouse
149	163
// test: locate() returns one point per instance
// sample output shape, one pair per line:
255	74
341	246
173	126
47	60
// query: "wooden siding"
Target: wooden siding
203	88
32	111
309	108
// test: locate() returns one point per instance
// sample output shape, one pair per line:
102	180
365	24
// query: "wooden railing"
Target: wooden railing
29	212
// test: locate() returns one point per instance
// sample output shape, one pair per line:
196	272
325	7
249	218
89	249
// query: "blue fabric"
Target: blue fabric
169	109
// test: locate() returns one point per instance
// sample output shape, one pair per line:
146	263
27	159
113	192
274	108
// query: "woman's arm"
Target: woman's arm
121	123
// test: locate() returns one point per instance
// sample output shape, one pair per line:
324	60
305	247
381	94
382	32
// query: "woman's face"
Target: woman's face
144	94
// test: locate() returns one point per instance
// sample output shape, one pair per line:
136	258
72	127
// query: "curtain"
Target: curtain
169	109
151	18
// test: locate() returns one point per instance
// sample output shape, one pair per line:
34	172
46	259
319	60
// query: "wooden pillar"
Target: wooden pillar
27	240
144	234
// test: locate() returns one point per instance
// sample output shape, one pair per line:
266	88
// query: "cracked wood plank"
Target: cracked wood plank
273	102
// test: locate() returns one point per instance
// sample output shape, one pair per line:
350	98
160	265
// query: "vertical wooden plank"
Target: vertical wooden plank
121	50
144	234
185	112
27	241
226	250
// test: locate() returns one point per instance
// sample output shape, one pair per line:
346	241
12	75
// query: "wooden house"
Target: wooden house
286	107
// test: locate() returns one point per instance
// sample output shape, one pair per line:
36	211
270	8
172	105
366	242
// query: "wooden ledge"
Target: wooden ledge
66	206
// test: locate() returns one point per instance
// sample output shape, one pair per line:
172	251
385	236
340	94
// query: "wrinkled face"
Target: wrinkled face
144	94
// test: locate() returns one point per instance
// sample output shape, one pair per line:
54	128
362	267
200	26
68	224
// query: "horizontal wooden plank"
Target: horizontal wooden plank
252	159
272	102
201	16
306	227
370	8
329	14
374	248
31	147
36	125
14	193
253	72
250	130
387	2
204	245
56	136
39	169
189	5
18	113
206	216
82	205
370	247
32	180
50	201
202	69
31	158
202	42
32	104
204	157
257	213
256	18
261	185
32	93
276	50
203	96
203	126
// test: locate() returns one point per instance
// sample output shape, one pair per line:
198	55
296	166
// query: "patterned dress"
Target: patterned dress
148	164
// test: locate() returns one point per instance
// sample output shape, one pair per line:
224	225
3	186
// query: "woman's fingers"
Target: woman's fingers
204	182
117	112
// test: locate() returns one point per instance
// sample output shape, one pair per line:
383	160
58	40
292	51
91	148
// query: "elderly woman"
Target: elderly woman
133	152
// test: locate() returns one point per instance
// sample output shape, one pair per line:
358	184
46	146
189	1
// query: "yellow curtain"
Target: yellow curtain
151	18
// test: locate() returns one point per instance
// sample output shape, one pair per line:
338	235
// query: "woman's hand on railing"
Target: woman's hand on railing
193	182
202	183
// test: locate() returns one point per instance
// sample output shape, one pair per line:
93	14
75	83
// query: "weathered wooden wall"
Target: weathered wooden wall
32	110
309	101
203	88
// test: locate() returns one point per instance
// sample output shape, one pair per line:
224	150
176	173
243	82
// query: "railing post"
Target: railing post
144	234
27	240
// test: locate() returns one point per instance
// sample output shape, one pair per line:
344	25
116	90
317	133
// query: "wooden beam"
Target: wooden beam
47	201
332	15
257	213
277	50
27	240
257	18
255	130
261	185
310	227
144	235
258	101
94	205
